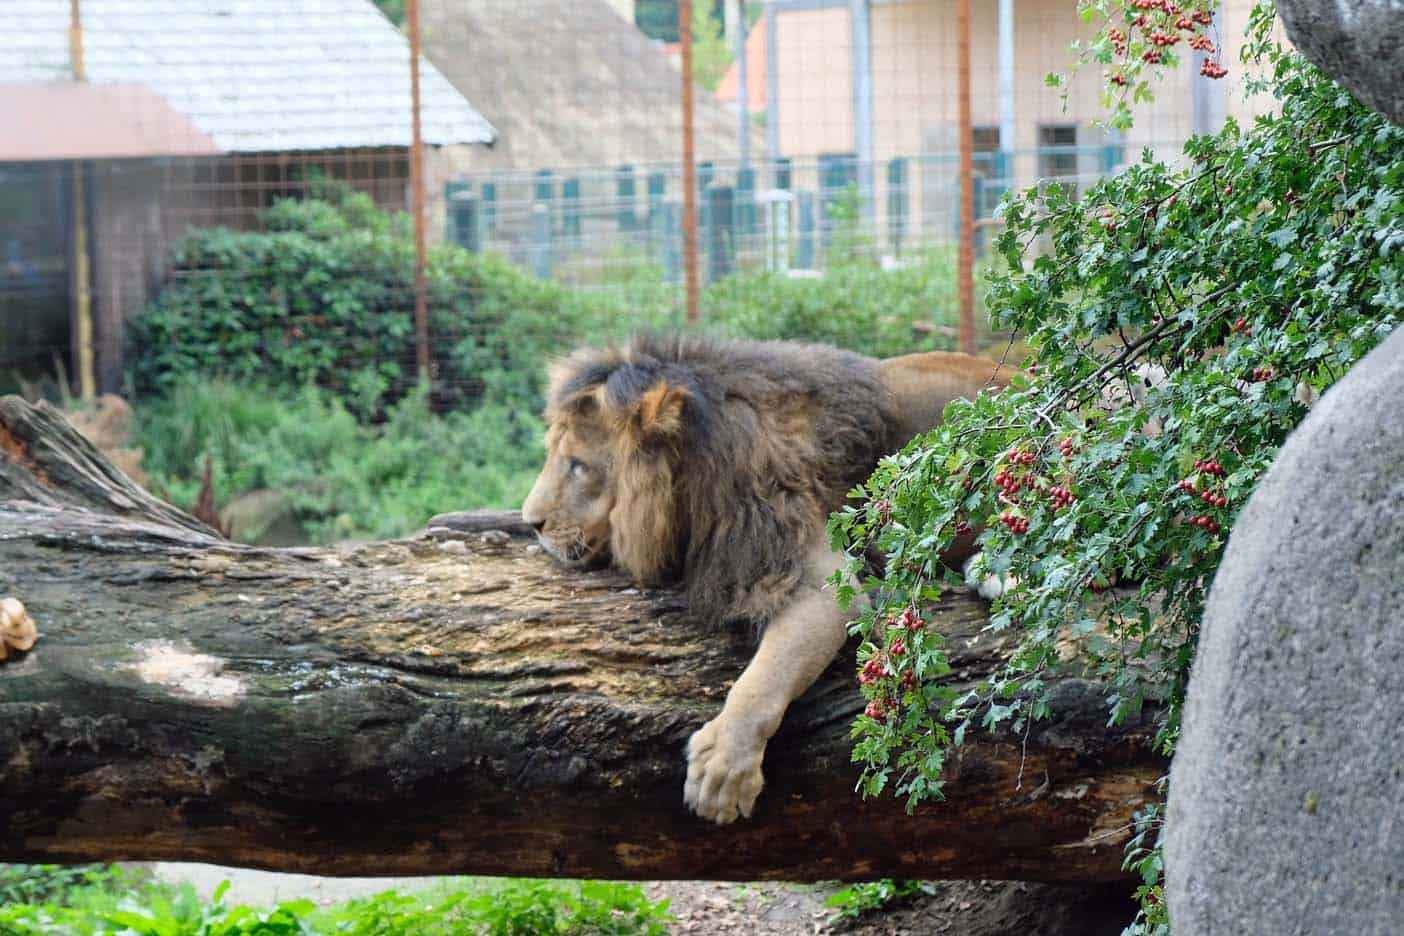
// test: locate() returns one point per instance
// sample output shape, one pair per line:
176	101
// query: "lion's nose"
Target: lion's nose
537	525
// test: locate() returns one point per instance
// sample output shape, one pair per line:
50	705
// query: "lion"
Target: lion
715	464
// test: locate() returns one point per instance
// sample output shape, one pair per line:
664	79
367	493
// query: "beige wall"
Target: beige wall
914	77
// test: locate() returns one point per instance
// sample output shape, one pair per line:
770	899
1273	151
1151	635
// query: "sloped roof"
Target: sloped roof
253	75
72	120
568	83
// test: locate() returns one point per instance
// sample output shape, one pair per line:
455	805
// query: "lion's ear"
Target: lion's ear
660	410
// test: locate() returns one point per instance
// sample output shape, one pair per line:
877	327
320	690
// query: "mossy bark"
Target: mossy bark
457	703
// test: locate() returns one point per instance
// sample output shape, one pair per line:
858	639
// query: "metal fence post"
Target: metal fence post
624	189
777	204
541	240
804	244
570	207
463	221
721	235
896	203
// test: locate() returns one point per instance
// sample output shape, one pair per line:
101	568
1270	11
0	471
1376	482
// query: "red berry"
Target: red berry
898	647
915	624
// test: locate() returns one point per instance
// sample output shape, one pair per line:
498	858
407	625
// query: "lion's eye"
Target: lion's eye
577	467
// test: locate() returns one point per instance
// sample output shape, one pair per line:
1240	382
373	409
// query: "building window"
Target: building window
1057	151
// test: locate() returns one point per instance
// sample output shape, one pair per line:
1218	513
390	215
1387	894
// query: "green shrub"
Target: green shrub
345	479
48	883
856	305
325	297
1268	259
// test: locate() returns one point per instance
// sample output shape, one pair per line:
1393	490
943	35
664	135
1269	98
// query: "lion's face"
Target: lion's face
571	501
606	492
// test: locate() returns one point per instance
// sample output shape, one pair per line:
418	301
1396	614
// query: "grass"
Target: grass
108	901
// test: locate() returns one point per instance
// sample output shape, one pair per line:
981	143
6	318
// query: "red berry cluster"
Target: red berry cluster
1162	24
1097	588
1207	524
1212	498
1260	374
873	670
1109	220
1291	197
1240	325
909	680
911	621
1065	445
1228	186
876	711
1062	497
898	647
1015	522
963	528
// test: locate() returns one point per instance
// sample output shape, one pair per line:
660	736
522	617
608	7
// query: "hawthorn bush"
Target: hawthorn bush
1267	263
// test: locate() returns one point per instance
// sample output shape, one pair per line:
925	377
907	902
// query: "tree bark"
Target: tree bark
456	703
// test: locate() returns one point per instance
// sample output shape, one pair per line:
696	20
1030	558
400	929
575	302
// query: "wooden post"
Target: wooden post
966	258
689	222
82	263
421	292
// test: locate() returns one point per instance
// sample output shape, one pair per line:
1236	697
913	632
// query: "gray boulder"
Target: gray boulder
1286	810
1360	43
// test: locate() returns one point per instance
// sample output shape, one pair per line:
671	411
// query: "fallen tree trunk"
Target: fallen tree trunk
456	703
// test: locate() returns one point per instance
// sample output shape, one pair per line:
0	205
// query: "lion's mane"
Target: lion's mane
727	456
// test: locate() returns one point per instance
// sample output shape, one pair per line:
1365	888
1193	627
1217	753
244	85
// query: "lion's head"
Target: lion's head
614	430
710	462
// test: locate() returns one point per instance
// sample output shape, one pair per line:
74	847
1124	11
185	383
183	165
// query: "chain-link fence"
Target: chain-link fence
823	130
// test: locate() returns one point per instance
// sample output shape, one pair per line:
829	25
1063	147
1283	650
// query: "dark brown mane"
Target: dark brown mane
728	457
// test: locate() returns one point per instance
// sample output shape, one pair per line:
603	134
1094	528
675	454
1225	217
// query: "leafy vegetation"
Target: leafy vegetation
341	478
862	899
1268	263
524	907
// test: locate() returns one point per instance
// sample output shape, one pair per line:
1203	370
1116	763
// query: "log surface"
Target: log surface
457	703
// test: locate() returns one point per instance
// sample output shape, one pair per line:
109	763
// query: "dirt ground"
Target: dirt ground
958	908
709	908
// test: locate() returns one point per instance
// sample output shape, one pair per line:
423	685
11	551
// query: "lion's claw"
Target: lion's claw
723	773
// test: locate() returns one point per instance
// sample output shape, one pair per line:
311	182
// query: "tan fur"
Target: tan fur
716	465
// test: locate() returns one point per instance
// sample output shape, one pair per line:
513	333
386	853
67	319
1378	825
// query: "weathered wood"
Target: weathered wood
455	703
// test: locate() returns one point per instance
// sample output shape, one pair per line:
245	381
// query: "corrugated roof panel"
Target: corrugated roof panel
255	75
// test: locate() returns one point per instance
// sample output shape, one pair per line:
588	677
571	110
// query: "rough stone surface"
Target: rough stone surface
1285	810
1360	43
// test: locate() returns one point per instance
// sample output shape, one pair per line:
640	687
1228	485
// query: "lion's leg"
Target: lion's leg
724	756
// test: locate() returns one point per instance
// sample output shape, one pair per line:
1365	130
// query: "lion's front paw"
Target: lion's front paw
989	587
723	772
